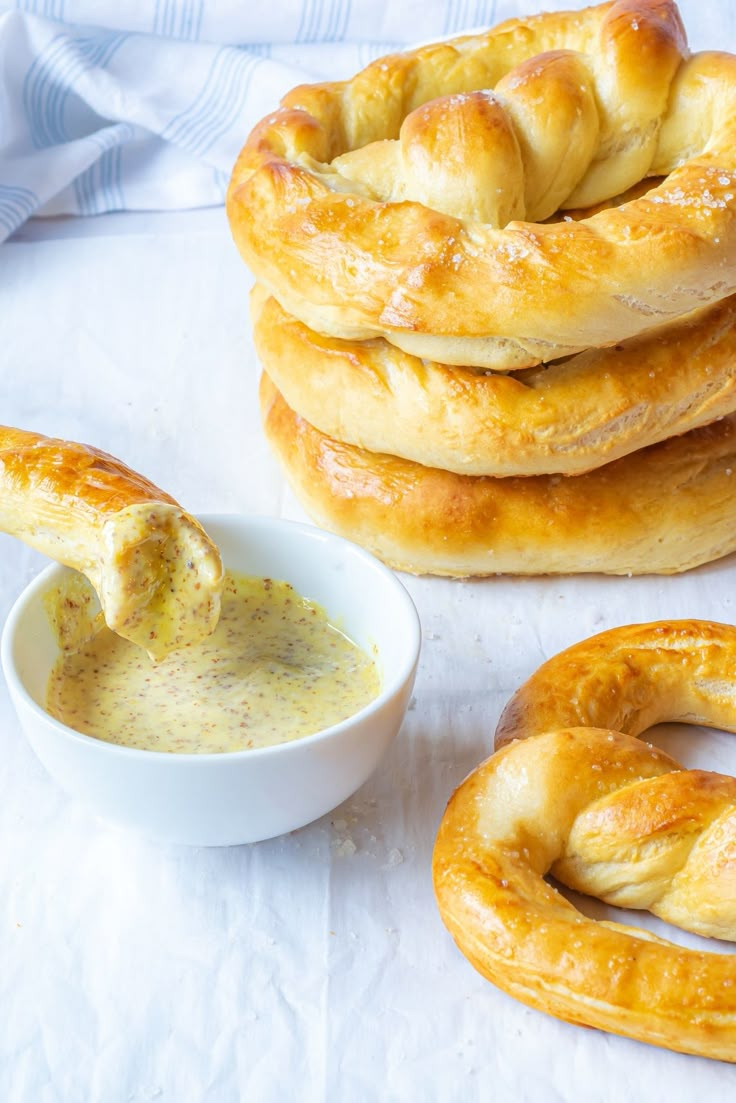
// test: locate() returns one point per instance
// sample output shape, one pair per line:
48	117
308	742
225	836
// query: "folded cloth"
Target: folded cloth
144	105
250	22
96	119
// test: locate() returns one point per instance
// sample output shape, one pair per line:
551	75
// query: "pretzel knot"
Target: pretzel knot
572	791
409	202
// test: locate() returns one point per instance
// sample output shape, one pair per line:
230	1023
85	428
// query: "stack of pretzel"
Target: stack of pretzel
495	297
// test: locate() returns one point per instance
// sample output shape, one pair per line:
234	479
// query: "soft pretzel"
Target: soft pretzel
658	511
608	815
156	572
570	417
368	207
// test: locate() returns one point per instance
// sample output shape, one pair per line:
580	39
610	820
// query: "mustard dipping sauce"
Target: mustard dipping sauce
273	670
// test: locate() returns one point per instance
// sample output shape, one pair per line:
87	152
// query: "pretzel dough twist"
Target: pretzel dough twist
567	418
572	791
372	207
156	572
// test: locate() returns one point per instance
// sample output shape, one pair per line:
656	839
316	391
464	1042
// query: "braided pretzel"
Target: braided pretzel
371	207
608	815
571	417
156	572
658	511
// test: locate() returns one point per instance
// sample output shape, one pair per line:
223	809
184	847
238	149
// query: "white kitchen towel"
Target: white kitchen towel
144	104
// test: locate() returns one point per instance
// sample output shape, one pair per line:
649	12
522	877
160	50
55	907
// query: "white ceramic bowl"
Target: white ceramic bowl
240	796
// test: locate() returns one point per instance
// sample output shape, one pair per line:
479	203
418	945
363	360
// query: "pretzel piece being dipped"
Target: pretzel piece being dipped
568	417
411	202
572	791
156	572
660	510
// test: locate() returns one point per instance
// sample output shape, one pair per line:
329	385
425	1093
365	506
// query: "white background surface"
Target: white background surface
312	967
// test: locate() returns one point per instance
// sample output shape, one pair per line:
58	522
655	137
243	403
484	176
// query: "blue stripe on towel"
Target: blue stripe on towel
99	188
83	189
486	13
219	103
453	16
16	205
462	14
51	9
370	51
262	49
190	20
202	103
221	179
323	21
50	81
110	194
180	19
343	27
301	34
234	108
331	24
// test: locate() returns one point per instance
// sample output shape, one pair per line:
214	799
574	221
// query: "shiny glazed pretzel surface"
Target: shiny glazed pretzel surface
572	791
660	510
567	418
407	202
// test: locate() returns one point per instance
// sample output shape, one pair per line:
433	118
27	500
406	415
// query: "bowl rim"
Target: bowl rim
403	674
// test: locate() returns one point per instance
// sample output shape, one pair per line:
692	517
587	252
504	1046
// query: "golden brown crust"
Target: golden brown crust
567	418
91	481
658	511
355	251
155	570
608	815
629	678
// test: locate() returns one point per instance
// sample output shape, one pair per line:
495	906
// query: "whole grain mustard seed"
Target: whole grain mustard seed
274	670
